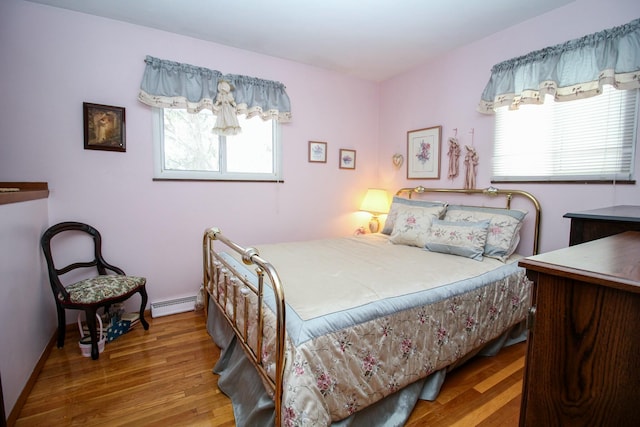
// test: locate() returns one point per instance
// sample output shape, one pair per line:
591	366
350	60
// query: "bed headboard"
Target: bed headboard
508	195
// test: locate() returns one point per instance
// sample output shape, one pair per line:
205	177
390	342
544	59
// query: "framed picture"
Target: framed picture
317	152
103	127
347	159
423	153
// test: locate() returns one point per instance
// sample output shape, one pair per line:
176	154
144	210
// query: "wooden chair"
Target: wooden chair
93	293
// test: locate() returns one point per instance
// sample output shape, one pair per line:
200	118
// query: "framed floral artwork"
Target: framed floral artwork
423	153
317	152
104	127
347	159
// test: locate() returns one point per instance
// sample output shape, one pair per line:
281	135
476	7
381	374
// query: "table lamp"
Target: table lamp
376	202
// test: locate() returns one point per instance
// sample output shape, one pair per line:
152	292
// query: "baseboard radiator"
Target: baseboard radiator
173	306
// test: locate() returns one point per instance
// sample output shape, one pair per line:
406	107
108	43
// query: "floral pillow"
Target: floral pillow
397	203
504	227
466	239
412	224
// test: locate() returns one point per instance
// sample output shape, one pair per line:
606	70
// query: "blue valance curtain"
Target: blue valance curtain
572	70
168	84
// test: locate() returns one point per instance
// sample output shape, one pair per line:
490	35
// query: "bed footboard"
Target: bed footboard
232	300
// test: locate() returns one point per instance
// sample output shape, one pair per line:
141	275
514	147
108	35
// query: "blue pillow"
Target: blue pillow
504	227
463	238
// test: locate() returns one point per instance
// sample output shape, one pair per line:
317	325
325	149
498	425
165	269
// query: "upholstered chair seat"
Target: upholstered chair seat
101	288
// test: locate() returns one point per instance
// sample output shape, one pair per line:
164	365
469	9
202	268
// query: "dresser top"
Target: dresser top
613	261
627	213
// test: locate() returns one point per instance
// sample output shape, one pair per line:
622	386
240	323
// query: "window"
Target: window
591	139
186	148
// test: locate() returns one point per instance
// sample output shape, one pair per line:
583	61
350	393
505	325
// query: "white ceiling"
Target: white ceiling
369	39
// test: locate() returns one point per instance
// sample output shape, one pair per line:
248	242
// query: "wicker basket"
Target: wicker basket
85	340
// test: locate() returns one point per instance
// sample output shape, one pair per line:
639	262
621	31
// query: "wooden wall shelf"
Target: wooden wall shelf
14	192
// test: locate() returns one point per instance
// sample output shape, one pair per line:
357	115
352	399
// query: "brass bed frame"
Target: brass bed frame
216	268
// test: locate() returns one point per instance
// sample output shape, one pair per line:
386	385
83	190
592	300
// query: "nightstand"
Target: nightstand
597	223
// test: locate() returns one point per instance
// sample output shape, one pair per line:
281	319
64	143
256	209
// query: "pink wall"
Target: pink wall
55	59
446	92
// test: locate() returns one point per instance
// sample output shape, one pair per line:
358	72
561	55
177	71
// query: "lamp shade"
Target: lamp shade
375	201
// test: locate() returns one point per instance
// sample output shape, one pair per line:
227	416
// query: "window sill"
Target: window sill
551	181
277	181
15	192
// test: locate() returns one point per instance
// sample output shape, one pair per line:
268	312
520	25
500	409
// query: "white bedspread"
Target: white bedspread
360	270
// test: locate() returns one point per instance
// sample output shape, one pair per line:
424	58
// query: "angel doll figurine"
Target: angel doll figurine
454	154
471	162
226	120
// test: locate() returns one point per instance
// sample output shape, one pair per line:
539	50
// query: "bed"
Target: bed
373	322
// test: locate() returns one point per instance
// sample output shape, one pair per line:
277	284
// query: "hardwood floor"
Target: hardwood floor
162	377
484	392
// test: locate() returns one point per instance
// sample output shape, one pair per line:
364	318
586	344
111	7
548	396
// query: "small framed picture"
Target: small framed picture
104	127
317	152
423	153
347	159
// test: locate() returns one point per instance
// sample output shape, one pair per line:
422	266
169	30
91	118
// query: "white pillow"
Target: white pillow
412	224
397	203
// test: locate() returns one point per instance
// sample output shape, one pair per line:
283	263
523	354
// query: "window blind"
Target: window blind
591	139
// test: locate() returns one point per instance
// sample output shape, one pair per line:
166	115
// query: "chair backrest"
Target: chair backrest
98	261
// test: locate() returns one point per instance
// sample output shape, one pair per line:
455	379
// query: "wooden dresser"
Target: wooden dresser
598	223
583	357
